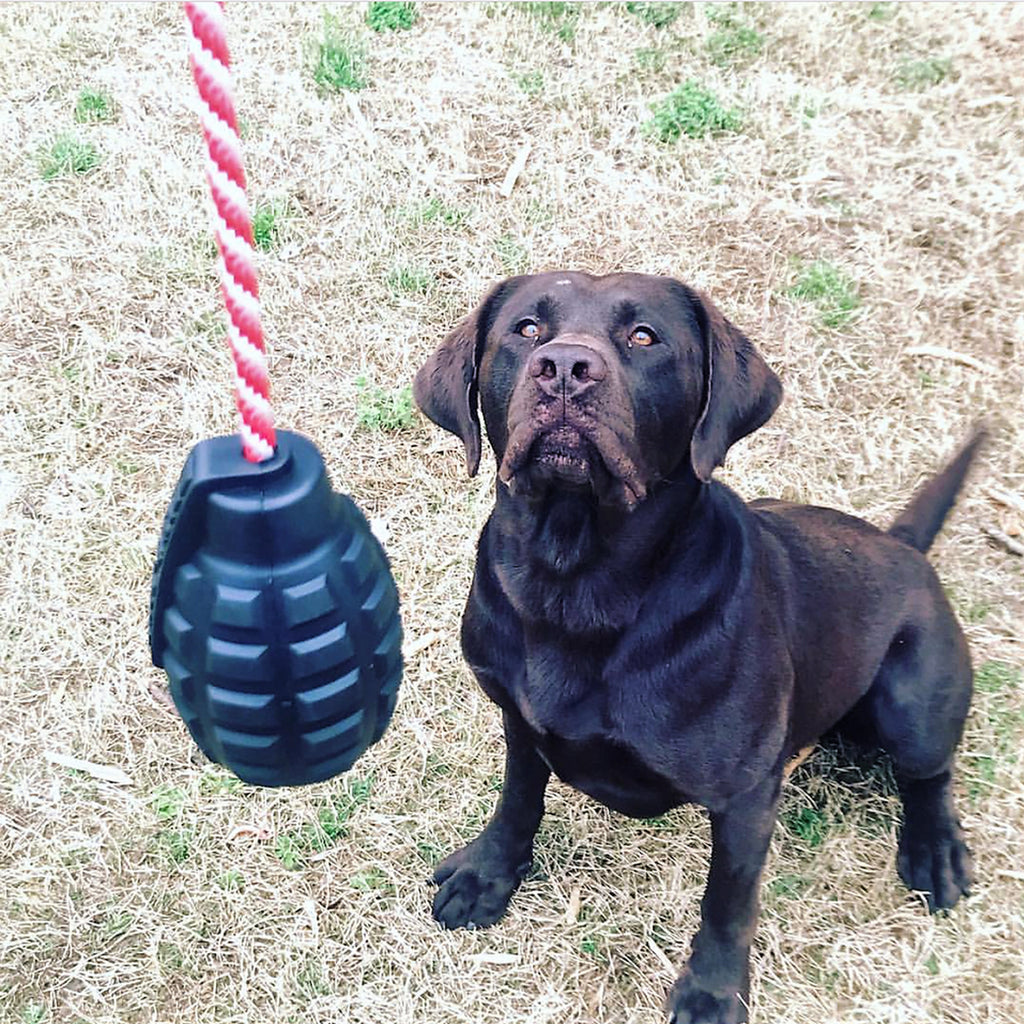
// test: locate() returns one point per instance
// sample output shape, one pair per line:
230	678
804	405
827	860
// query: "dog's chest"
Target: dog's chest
565	701
562	692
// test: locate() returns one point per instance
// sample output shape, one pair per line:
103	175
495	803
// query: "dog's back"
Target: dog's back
860	598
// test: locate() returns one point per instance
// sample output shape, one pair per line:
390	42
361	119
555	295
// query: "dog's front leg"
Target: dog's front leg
714	985
478	880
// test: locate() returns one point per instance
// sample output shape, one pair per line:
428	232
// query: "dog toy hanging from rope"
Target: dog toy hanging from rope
272	610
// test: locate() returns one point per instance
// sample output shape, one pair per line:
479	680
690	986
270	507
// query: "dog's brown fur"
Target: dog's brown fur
652	639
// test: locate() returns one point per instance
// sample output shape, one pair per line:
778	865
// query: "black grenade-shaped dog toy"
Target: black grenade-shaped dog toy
274	614
272	610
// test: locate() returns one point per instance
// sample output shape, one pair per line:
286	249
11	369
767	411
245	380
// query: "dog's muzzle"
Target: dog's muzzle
570	423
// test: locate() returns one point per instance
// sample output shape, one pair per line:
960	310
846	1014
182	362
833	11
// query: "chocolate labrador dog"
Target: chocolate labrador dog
651	638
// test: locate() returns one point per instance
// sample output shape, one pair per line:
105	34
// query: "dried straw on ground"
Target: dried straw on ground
168	899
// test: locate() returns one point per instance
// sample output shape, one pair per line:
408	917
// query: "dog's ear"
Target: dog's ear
445	387
740	390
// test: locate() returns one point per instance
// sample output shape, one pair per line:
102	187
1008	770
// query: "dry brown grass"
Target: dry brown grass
164	900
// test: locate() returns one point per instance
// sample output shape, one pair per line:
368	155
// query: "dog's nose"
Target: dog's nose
566	369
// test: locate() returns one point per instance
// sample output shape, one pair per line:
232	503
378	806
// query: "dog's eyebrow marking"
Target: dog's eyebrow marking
625	312
546	306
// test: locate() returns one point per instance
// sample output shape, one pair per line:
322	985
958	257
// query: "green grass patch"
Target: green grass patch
336	60
1001	683
531	82
290	850
208	327
231	880
95	106
390	16
808	824
203	247
734	45
824	978
410	280
268	223
76	856
311	981
733	41
830	289
981	775
388	410
539	212
917	75
811	110
788	887
1007	724
371	880
693	111
216	782
176	845
842	206
436	767
116	922
173	842
997	677
170	956
334	815
293	848
663	823
355	793
649	59
168	802
660	15
560	19
435	211
977	611
32	1013
68	155
514	256
430	853
883	11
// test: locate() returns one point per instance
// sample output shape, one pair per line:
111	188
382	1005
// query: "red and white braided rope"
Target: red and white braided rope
232	224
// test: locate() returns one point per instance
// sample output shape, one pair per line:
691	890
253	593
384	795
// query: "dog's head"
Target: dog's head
603	383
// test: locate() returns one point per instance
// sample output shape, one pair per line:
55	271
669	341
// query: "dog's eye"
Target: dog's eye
528	328
643	336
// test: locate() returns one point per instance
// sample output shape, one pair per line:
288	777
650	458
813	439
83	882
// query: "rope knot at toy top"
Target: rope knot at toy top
232	224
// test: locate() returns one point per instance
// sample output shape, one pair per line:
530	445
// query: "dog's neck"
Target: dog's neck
572	564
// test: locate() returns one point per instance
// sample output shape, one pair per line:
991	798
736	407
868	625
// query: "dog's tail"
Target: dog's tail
922	519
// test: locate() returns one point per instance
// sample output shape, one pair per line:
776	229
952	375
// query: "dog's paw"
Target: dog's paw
688	1003
934	859
475	887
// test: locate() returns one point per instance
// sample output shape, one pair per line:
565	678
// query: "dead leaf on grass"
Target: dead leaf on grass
249	832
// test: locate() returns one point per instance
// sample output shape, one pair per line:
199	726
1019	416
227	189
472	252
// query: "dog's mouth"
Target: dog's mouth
567	456
564	454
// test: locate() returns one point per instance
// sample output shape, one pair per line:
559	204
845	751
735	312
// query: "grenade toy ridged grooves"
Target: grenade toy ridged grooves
274	614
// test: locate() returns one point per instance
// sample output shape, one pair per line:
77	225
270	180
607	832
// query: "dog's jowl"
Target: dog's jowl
652	639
